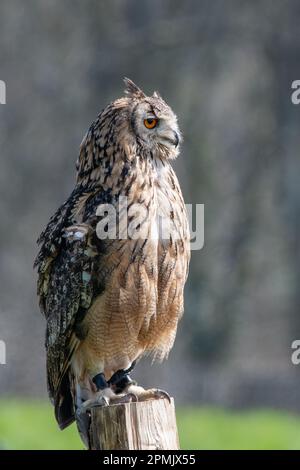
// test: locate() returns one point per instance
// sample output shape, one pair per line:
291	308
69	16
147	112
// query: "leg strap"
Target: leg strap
121	378
100	382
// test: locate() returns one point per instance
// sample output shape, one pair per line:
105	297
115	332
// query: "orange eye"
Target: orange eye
150	123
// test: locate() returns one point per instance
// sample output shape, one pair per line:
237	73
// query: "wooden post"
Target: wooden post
146	425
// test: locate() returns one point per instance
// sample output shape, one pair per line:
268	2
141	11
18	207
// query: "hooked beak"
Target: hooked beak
176	139
171	139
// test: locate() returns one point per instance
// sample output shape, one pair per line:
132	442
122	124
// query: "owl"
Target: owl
113	259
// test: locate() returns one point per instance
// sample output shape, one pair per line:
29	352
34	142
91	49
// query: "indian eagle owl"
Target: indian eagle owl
111	297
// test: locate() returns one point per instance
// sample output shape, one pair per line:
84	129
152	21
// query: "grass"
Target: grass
31	425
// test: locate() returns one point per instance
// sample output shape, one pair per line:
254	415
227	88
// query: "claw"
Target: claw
101	401
128	398
133	397
89	404
158	393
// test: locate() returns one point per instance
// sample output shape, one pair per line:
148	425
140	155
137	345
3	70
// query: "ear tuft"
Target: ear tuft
132	90
156	95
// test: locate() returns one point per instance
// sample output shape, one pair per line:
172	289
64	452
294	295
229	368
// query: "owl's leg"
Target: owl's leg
100	398
106	394
121	379
122	384
103	397
103	393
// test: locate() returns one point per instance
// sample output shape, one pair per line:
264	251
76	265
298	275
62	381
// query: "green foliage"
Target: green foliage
211	428
32	426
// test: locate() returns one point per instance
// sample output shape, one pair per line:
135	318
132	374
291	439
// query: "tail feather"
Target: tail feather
64	404
68	406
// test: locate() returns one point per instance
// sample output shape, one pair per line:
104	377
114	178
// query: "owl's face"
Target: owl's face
154	123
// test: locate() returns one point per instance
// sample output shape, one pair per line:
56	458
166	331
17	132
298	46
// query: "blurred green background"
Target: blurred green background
226	68
32	426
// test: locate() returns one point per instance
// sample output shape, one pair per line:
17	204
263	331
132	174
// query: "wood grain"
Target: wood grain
147	425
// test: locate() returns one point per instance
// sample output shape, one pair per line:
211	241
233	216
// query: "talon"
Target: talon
162	394
128	398
92	403
101	401
131	397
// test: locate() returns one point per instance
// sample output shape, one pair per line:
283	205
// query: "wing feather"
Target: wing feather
66	292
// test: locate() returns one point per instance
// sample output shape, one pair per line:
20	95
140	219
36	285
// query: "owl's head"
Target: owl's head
152	121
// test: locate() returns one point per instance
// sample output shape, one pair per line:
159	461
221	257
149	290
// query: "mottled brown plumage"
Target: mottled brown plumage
109	301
